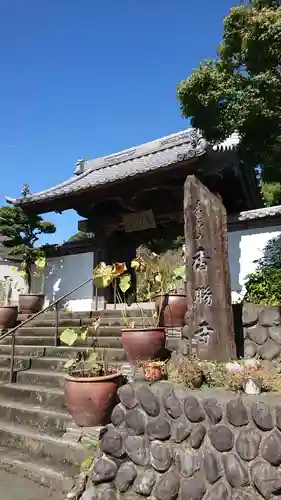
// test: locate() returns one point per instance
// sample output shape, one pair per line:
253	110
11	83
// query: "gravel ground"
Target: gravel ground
15	488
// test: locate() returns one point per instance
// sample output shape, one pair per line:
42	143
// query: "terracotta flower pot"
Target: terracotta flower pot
8	316
171	310
141	344
153	372
90	400
31	303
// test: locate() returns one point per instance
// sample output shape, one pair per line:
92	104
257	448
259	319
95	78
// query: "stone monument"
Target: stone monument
209	320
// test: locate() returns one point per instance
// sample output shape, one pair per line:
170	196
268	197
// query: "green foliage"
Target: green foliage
264	287
23	232
87	363
240	91
80	235
162	276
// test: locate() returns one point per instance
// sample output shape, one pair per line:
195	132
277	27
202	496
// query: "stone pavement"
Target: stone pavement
13	487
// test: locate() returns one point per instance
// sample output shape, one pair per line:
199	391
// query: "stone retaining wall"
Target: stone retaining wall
262	331
167	443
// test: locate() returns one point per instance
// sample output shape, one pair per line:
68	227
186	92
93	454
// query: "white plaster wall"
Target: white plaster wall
65	273
7	268
244	249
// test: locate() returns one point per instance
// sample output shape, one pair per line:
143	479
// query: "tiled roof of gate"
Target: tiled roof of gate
131	162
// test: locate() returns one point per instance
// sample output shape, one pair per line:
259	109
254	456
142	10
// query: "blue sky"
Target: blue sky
85	78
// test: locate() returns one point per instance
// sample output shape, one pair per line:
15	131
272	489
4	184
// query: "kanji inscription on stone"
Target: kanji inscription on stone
209	321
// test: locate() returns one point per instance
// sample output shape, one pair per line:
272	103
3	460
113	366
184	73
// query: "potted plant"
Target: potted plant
22	233
8	312
140	343
153	369
90	384
161	278
32	302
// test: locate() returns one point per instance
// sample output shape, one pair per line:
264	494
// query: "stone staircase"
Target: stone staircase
37	436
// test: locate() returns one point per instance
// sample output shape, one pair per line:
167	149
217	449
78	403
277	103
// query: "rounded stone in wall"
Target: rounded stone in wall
247	444
158	428
250	349
212	467
266	479
125	476
197	436
262	416
137	448
257	334
269	350
235	472
108	494
213	410
193	488
271	448
136	419
168	486
236	413
127	396
241	494
112	444
220	491
221	438
193	409
172	404
275	333
250	314
186	462
104	470
181	430
270	316
160	456
144	482
118	416
148	401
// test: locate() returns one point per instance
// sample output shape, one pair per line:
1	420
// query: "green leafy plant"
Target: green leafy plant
264	287
163	274
87	363
23	232
240	90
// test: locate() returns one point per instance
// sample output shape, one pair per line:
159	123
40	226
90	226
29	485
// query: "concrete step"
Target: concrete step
40	351
102	313
41	419
76	322
46	397
16	462
49	331
54	450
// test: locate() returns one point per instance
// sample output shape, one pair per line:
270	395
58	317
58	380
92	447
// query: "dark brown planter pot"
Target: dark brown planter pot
31	303
171	310
90	400
141	344
8	316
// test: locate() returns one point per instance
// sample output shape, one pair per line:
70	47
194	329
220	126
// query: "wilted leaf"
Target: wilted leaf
119	269
125	283
68	336
103	275
41	262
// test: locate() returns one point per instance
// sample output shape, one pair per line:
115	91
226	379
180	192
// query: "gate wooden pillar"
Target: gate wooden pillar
209	321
